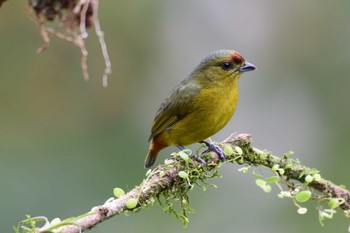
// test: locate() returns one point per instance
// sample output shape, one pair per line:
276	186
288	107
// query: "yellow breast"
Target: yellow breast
213	108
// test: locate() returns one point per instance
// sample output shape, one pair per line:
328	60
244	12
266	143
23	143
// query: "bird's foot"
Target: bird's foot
197	158
216	149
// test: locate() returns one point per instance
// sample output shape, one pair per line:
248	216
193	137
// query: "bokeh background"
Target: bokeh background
66	143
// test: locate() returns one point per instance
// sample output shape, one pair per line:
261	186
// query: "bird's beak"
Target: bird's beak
246	67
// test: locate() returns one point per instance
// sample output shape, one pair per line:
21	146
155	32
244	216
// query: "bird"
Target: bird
200	105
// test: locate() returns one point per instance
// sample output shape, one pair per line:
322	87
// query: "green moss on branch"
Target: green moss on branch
169	184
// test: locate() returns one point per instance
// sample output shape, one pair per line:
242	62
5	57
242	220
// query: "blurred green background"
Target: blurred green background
66	143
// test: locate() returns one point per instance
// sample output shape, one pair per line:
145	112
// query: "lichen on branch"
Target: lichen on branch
170	183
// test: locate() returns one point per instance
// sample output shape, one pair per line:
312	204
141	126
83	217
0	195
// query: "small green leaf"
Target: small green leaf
148	172
267	188
161	174
309	178
239	150
118	192
184	155
283	194
131	203
261	183
228	150
55	221
183	174
303	196
335	202
287	154
256	175
243	169
272	179
168	161
302	210
275	167
281	171
317	177
168	167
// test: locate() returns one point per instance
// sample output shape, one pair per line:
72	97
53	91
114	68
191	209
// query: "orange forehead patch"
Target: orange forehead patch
237	57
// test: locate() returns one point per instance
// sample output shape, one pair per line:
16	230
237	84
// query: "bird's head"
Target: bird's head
221	65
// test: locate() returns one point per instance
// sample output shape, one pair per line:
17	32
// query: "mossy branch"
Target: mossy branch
175	178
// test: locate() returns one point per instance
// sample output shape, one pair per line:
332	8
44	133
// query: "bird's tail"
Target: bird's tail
151	158
156	145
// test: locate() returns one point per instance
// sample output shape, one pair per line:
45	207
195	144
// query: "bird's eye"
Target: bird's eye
227	65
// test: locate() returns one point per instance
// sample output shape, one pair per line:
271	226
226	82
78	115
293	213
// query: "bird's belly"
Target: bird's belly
204	122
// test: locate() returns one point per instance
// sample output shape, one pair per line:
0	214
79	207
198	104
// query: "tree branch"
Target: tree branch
167	179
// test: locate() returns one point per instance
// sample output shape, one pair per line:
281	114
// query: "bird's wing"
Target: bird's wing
175	108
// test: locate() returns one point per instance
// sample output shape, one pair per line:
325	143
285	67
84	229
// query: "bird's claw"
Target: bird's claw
216	149
200	160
